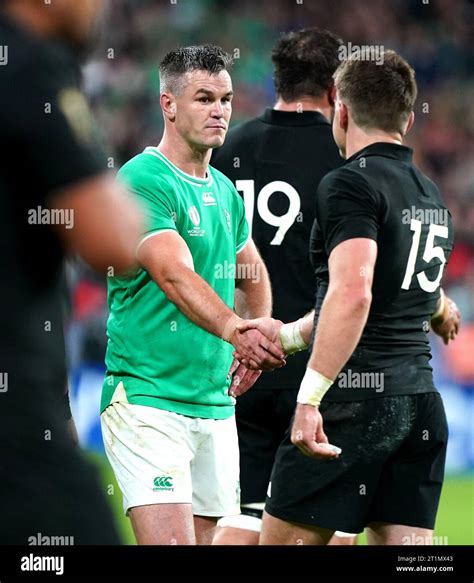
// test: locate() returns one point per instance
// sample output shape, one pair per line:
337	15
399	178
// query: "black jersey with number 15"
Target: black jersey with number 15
379	194
276	162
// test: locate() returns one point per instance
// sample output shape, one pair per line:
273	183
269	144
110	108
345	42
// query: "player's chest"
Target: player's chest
205	219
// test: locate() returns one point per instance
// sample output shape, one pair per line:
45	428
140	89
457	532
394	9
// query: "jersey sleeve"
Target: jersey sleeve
53	129
346	208
158	206
243	233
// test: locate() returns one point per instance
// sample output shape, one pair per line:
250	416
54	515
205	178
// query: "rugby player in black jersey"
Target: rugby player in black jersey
276	161
55	197
379	245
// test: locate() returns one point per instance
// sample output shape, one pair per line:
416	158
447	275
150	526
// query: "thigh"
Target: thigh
150	451
163	524
280	532
381	533
205	529
215	468
410	485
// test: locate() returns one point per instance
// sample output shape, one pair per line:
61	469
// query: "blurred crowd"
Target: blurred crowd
121	80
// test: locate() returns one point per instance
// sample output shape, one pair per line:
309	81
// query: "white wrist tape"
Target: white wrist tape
313	388
442	303
291	338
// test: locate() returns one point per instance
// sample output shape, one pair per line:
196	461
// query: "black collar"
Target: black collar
385	149
293	118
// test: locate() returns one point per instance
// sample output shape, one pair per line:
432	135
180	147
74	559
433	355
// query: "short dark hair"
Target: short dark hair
177	63
381	95
304	63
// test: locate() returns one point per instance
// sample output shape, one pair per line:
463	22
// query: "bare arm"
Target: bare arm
346	305
106	223
168	260
341	321
253	299
253	292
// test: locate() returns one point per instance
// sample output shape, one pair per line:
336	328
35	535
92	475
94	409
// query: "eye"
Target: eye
204	99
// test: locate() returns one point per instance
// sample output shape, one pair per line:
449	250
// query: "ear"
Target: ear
332	94
411	121
168	105
343	115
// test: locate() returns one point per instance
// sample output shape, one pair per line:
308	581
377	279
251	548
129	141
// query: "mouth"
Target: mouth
216	127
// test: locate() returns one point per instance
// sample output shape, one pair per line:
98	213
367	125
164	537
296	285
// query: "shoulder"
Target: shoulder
221	179
226	186
144	168
349	178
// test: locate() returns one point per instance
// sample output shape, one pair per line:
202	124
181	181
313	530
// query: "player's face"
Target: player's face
203	109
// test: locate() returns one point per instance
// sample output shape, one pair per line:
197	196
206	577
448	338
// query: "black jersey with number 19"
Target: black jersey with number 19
379	194
277	161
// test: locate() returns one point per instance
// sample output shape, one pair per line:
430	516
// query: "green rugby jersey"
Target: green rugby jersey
162	357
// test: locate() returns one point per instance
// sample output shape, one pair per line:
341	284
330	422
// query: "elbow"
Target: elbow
360	301
355	300
363	302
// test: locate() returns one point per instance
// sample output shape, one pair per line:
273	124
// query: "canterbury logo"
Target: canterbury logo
163	483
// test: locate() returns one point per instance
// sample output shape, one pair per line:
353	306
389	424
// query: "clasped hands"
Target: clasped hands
257	348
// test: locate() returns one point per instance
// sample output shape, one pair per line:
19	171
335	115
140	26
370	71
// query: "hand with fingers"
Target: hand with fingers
308	435
269	328
243	378
446	324
256	350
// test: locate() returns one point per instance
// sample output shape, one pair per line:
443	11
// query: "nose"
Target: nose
217	110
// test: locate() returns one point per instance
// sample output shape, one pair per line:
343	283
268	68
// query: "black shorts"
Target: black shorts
263	417
391	468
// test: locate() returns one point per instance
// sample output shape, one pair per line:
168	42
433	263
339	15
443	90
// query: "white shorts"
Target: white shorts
160	457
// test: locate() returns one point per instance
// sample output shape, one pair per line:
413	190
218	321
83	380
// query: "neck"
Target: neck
358	139
32	17
305	104
187	158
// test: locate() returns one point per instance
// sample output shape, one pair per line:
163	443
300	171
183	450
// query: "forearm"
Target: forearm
340	325
199	302
441	307
253	296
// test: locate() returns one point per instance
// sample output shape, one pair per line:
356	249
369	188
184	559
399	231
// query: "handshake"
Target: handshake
260	345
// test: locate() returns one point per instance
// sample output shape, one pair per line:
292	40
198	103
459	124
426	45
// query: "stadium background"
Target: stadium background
121	80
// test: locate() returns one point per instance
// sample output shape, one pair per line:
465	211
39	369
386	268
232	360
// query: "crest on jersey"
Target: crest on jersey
194	216
196	221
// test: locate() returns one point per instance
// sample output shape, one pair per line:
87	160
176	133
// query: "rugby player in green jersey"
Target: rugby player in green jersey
167	406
